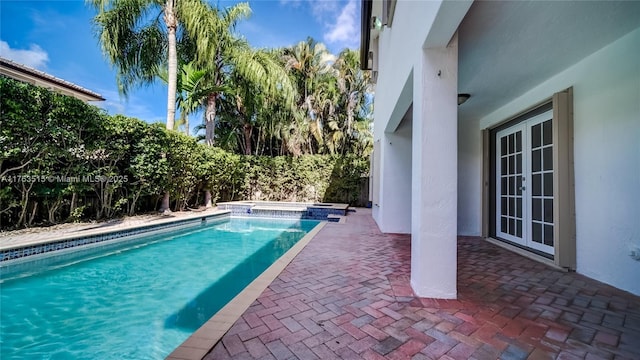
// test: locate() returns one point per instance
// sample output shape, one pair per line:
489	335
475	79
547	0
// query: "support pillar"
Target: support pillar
435	173
395	197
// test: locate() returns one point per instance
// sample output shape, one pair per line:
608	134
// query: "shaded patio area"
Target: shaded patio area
347	296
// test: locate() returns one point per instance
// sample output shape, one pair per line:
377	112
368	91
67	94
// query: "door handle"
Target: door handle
522	188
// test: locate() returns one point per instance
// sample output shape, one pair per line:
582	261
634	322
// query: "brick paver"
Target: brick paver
347	296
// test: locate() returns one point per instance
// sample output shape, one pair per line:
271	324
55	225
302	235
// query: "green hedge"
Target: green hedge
64	160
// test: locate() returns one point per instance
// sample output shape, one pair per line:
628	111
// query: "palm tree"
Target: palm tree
191	92
138	44
219	51
253	100
353	87
309	63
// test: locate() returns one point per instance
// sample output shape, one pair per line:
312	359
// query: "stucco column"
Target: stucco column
435	173
394	212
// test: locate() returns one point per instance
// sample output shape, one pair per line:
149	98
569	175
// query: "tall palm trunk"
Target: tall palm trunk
172	24
172	81
210	118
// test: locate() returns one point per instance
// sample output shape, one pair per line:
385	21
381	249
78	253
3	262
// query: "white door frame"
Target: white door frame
523	190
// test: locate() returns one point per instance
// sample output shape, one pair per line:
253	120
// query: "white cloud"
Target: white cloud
319	8
34	57
323	8
345	30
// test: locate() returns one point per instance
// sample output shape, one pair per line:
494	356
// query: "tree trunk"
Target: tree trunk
74	202
33	213
207	199
210	119
248	130
132	208
53	209
24	203
258	142
172	24
164	208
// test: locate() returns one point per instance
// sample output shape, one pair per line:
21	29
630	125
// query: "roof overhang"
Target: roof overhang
365	33
39	78
507	48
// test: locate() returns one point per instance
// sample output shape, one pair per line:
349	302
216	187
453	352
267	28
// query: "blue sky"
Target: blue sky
57	37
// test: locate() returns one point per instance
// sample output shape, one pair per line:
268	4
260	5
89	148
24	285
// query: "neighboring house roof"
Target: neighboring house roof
36	77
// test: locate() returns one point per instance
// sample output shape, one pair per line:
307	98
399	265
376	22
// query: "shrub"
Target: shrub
64	160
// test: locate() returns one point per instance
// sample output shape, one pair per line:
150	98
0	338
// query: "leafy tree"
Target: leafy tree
138	44
309	63
72	128
191	93
23	110
147	171
219	51
331	112
351	125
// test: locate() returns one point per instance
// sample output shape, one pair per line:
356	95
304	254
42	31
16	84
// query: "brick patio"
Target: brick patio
347	296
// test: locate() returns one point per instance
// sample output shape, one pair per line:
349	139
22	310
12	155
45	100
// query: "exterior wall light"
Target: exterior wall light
376	23
462	98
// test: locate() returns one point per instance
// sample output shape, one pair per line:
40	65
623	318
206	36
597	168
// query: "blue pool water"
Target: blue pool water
138	301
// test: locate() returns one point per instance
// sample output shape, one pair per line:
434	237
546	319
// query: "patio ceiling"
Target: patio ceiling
508	47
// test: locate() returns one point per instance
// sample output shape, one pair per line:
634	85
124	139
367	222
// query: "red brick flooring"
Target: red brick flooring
347	296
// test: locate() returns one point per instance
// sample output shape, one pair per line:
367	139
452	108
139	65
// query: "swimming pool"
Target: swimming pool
139	300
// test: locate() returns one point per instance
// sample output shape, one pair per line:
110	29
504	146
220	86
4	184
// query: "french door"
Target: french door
524	183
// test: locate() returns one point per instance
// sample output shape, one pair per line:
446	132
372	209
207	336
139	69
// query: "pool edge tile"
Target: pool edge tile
115	232
40	249
188	353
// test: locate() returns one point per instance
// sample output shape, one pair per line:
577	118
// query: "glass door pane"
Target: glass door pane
510	223
541	194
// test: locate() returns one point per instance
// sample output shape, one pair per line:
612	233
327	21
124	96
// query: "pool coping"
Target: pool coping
200	343
291	204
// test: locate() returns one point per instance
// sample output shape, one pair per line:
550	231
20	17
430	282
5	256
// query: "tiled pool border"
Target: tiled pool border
198	345
296	210
27	252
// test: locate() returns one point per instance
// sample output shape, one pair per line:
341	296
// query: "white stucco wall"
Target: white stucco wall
607	157
394	213
469	178
400	48
400	51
